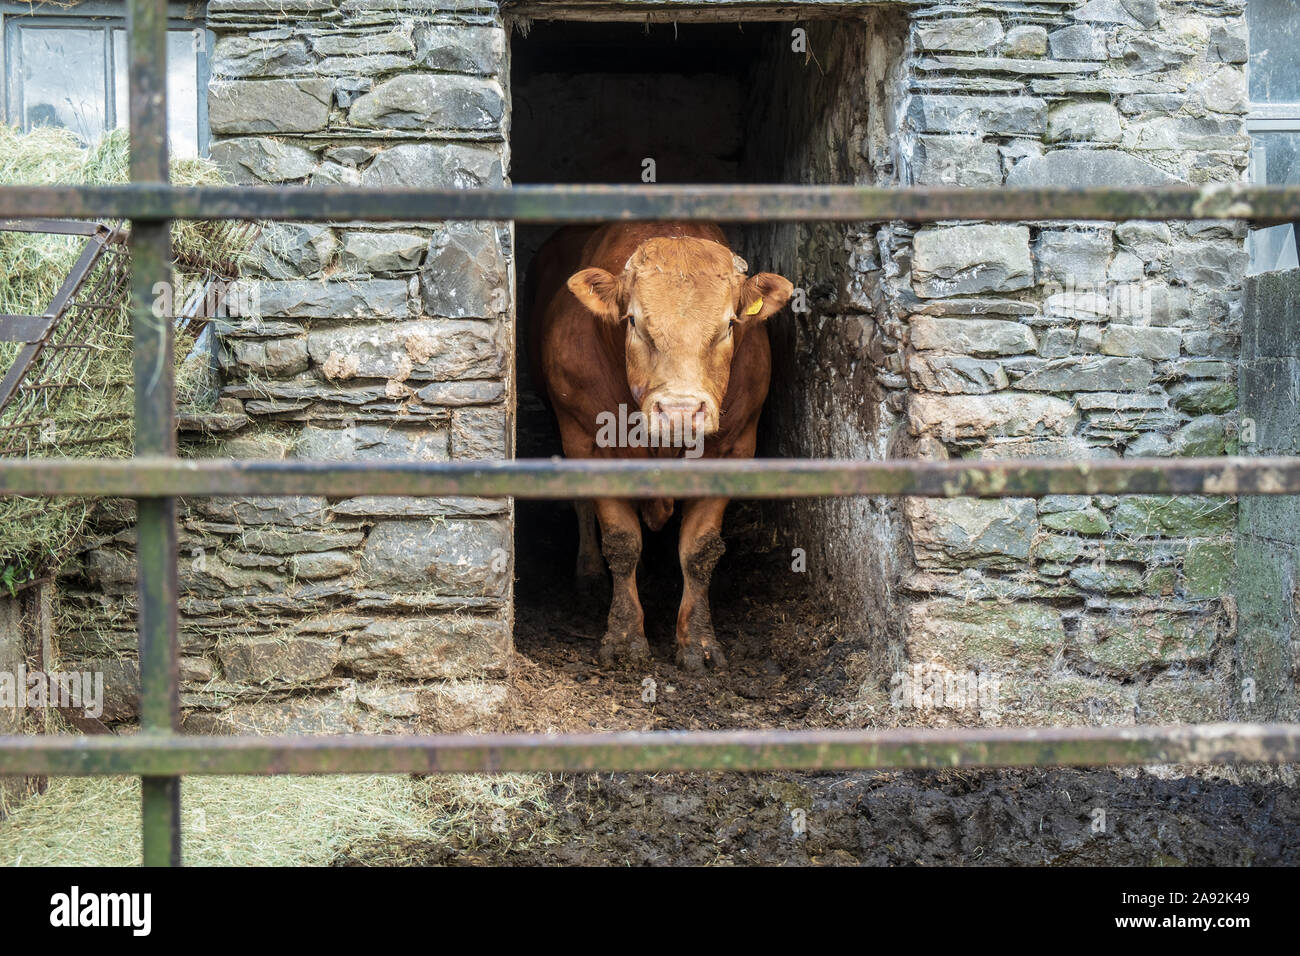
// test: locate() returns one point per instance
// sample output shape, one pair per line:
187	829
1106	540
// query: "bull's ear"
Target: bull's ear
599	291
763	295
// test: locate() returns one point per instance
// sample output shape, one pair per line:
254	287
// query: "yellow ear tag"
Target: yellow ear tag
753	309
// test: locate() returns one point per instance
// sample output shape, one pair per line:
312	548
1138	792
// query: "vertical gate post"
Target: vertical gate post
155	423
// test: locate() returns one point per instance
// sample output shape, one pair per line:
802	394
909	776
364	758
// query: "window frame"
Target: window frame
106	15
1264	117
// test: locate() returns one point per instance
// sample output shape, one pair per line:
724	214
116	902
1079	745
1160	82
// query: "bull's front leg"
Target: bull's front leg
699	548
620	540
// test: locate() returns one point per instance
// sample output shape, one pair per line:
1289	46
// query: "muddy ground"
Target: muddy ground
790	666
1025	818
785	659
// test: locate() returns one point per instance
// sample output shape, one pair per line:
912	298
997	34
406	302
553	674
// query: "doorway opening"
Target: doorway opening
746	103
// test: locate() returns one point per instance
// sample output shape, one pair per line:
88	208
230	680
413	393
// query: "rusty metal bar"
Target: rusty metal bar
155	427
737	750
58	227
1263	205
24	328
575	478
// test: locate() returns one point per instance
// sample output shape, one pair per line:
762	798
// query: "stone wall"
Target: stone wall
1268	549
960	339
359	341
1078	341
1057	339
828	118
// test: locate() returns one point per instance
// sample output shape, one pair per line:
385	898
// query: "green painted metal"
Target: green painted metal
155	425
573	478
1263	205
160	809
736	750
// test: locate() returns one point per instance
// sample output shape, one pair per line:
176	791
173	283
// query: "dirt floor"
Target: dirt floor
790	667
780	645
989	818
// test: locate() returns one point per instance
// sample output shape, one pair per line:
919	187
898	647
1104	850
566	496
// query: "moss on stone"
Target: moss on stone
1160	581
1127	644
1084	521
983	633
1199	398
1189	515
1108	579
1182	701
1208	570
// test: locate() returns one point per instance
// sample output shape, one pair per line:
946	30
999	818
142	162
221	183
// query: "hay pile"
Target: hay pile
88	412
280	821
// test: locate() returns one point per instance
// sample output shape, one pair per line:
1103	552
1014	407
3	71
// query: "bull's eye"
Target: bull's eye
631	320
731	326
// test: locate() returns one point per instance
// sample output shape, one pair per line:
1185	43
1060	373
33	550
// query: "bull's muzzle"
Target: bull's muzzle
683	417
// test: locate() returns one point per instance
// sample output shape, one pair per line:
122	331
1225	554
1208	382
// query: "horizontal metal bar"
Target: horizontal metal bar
575	478
62	227
595	203
747	750
24	328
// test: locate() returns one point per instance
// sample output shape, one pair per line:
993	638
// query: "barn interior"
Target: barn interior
749	103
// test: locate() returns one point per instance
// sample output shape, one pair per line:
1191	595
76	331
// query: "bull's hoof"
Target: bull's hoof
698	656
624	650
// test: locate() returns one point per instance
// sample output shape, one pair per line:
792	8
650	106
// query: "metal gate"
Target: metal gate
161	755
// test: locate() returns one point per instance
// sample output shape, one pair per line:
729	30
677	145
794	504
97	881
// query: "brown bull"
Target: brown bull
649	339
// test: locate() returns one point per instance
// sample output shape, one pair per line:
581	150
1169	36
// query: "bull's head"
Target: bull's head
684	303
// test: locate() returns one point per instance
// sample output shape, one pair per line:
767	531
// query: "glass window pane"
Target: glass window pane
1276	156
183	93
63	80
1272	249
1274	50
182	89
121	115
1274	161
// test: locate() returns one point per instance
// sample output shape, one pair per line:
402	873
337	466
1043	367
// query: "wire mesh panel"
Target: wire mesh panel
66	377
57	383
66	380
